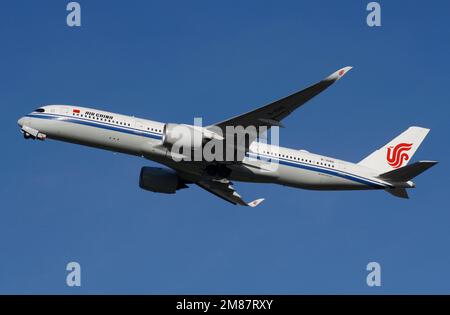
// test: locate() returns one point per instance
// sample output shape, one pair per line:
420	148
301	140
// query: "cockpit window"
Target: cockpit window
39	110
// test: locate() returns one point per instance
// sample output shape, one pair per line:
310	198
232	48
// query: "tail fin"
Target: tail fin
408	172
397	152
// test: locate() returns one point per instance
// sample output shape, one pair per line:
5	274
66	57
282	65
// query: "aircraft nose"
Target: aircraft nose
21	121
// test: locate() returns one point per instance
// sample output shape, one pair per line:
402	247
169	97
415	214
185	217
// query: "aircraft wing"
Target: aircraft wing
224	189
272	114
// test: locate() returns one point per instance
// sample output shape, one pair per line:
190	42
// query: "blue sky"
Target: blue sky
176	60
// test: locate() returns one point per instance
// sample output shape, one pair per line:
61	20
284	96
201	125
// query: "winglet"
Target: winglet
338	74
256	202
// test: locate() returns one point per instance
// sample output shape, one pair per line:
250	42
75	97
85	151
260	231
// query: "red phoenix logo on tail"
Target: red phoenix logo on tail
397	155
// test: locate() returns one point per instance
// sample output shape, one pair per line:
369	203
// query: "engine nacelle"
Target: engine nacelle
160	180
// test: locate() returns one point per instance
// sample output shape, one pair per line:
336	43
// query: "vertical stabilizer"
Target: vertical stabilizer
398	152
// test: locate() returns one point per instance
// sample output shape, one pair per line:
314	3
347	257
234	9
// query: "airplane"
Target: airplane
259	162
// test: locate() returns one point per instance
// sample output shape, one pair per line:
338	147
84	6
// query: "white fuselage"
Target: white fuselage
141	137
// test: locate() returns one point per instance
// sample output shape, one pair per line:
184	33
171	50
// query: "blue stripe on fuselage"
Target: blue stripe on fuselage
348	176
102	125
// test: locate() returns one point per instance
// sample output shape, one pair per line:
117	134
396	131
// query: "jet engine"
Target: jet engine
160	180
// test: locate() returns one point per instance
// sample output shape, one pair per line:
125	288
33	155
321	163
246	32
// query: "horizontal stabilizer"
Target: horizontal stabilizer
398	192
407	172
